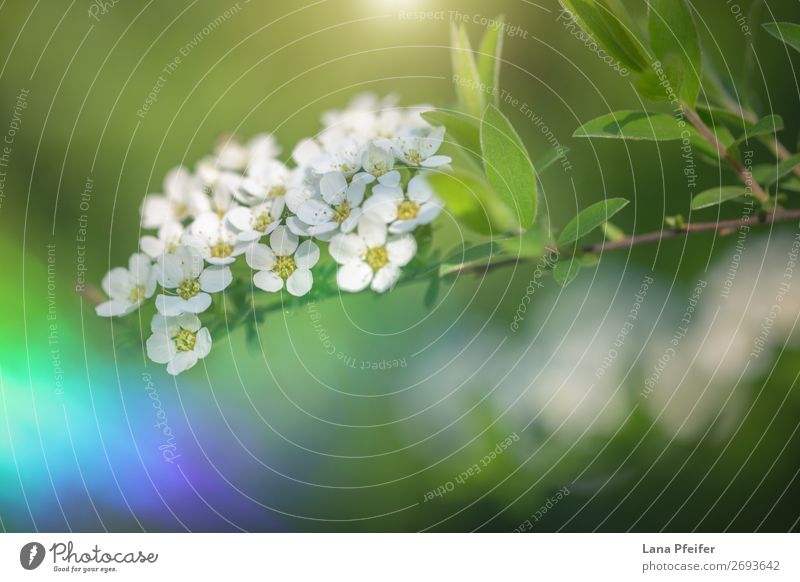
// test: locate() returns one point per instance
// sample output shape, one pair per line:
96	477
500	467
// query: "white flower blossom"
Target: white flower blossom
217	243
368	258
183	197
168	239
404	213
178	341
251	223
337	207
128	288
419	150
265	180
283	262
184	272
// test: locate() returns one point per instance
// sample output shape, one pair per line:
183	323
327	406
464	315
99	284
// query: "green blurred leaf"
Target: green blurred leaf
786	32
566	270
608	22
634	125
507	165
532	243
673	38
462	128
765	126
465	257
489	55
612	232
590	218
467	81
713	116
432	292
470	199
716	196
768	174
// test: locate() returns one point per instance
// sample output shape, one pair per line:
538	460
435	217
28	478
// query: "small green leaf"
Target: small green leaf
531	243
565	271
764	126
470	199
634	125
464	257
612	232
713	116
608	22
768	174
786	32
715	196
590	218
551	157
465	73
462	128
673	38
489	54
507	165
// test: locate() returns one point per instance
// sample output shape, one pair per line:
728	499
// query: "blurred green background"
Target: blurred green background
287	436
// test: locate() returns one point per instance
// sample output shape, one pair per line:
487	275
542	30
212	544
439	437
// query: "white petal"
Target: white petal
156	210
346	248
260	257
297	226
351	222
197	304
389	192
188	321
429	211
267	281
307	255
354	276
117	283
169	305
295	197
181	362
283	241
372	229
202	345
314	212
151	245
355	193
299	283
385	278
215	279
332	186
390	179
403	226
419	190
430	144
384	207
436	161
191	261
401	250
240	218
160	348
113	308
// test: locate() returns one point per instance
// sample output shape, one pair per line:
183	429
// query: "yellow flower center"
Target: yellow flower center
407	210
414	157
185	340
377	258
284	267
379	169
277	191
262	221
189	288
137	294
341	212
221	250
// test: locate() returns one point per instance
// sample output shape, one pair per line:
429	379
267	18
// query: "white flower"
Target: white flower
182	195
265	180
210	235
338	207
128	288
406	212
341	153
368	258
419	150
183	271
253	223
378	163
168	239
177	341
285	262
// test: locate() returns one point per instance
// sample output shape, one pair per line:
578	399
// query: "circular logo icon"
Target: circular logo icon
31	555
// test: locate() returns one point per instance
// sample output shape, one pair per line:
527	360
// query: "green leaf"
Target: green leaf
531	243
462	128
470	199
507	165
715	196
432	292
608	22
764	126
565	271
713	116
786	32
489	54
467	81
768	174
635	125
612	232
673	38
590	218
551	157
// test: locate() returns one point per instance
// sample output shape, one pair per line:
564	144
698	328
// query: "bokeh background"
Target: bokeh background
285	436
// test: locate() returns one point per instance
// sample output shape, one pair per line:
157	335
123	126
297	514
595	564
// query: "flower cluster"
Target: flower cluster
360	187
